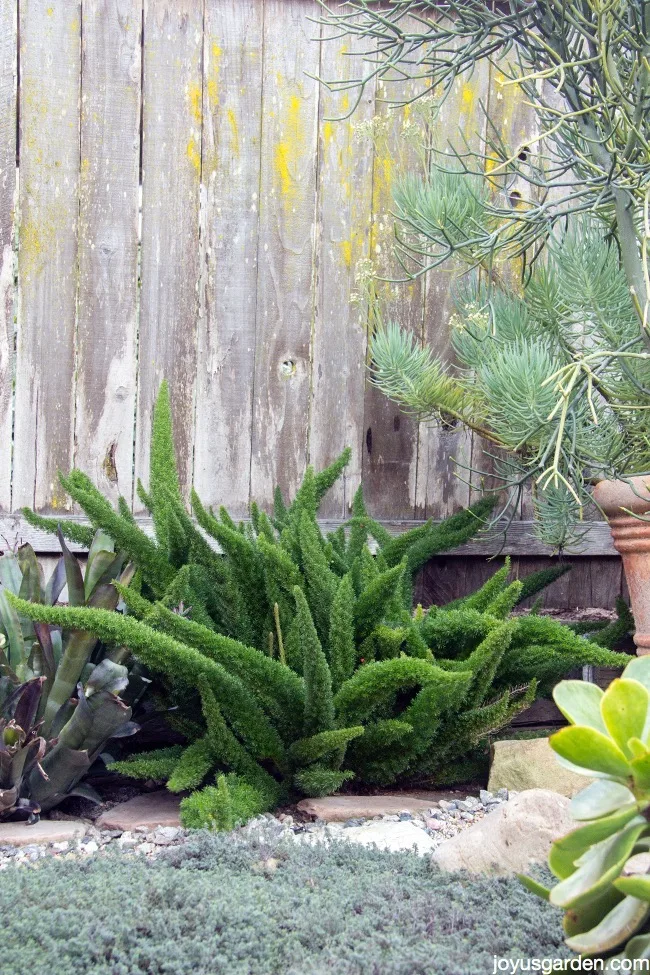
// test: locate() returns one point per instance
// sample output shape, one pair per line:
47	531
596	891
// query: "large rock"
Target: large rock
338	809
150	810
45	831
531	764
508	840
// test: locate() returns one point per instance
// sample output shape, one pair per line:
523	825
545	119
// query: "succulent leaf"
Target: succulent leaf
579	701
614	929
590	749
600	798
624	707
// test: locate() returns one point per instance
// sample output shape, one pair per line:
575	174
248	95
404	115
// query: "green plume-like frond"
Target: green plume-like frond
319	706
415	379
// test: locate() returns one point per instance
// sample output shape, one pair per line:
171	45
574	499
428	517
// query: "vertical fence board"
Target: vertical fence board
444	452
345	200
47	261
286	248
231	173
8	49
171	174
108	243
391	437
514	121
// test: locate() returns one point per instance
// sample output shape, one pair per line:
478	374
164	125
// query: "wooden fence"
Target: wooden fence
175	201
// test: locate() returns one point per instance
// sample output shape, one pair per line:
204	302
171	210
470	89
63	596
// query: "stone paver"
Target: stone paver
151	810
45	831
338	809
390	836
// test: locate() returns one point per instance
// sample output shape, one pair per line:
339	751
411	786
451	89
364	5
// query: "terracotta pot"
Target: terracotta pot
632	539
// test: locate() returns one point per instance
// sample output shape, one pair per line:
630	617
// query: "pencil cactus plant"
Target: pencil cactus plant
603	867
294	660
559	376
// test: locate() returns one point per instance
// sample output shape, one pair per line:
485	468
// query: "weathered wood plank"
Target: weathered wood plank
171	174
597	541
108	243
391	437
286	248
50	48
339	346
541	712
8	51
444	452
232	121
512	120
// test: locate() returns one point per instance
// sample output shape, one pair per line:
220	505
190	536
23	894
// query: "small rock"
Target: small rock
502	794
405	817
484	796
127	841
446	806
467	816
390	819
433	824
465	805
287	820
145	848
165	835
88	848
60	847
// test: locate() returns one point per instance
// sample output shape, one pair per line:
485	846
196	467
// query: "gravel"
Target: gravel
442	821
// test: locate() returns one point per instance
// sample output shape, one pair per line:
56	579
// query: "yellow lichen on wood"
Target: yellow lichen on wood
290	149
194	153
234	130
194	96
213	74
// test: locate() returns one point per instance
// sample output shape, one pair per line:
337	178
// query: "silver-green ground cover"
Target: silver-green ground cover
217	905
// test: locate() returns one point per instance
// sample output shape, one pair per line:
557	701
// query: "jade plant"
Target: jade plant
603	866
294	660
59	690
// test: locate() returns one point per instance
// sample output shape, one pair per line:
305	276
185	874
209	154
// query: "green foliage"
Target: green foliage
523	379
559	377
220	904
59	690
222	807
290	648
603	866
158	765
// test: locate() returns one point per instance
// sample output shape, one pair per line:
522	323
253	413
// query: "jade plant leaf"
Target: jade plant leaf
614	929
579	701
598	867
590	749
600	798
624	707
566	852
